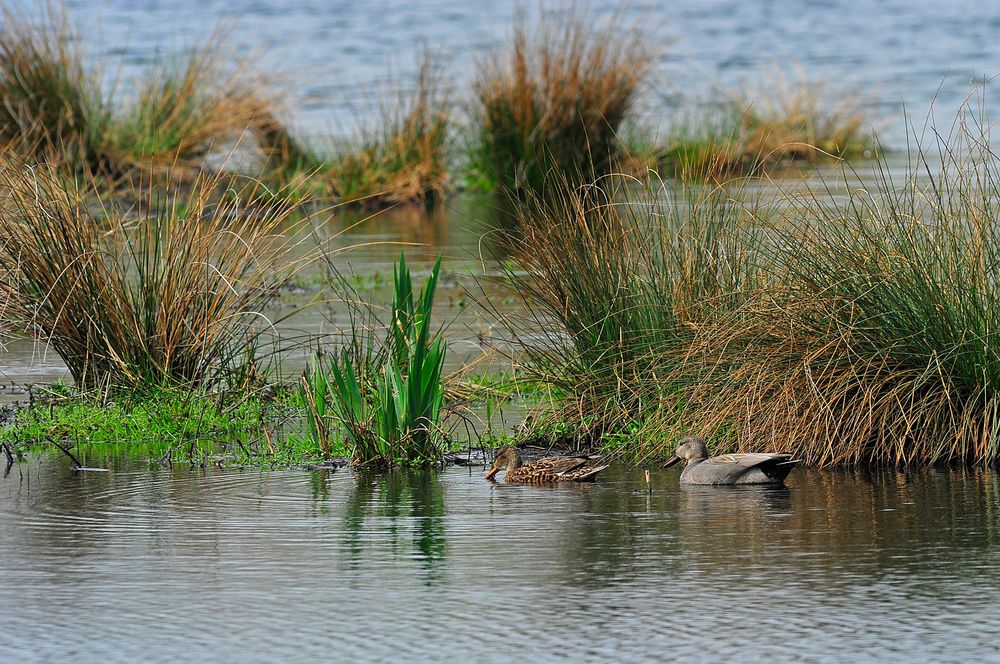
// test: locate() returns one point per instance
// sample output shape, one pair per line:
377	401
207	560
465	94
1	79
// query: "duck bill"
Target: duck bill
673	462
493	471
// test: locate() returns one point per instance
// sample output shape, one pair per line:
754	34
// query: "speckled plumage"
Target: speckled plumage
545	470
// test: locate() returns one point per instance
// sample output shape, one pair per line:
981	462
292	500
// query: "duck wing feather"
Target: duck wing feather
557	469
735	465
557	465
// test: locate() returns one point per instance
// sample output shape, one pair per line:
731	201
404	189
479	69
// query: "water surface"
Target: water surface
158	564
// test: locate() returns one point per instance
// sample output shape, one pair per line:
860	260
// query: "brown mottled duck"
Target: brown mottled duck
749	468
543	471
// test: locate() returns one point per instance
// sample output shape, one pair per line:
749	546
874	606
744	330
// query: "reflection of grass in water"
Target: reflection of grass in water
413	503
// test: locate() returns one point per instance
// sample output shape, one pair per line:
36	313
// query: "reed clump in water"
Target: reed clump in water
168	291
53	109
51	105
554	102
881	344
403	159
846	330
788	122
292	170
616	281
183	110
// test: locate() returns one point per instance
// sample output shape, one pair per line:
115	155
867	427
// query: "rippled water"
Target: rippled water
142	564
328	54
160	565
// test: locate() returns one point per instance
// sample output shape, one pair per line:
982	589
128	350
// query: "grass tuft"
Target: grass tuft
554	101
169	291
752	134
51	105
402	160
616	280
183	110
881	344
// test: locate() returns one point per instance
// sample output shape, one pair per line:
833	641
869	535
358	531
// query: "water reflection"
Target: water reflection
408	507
884	564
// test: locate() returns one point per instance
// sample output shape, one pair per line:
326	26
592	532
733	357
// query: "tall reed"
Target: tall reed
881	344
51	105
616	280
554	102
170	290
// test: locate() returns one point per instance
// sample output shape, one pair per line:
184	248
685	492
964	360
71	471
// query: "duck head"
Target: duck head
507	458
689	449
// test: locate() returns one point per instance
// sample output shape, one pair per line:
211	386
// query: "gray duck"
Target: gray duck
749	468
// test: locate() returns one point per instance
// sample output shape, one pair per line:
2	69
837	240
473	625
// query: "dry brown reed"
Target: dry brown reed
878	342
554	102
170	290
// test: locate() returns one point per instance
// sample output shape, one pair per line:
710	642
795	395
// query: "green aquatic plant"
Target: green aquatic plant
389	399
237	427
314	391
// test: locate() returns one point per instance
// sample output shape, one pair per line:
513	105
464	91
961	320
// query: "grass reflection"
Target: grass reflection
400	513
